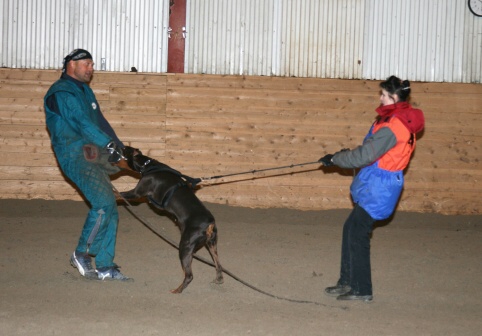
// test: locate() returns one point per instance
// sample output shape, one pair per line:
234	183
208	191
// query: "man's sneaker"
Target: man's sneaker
111	273
83	263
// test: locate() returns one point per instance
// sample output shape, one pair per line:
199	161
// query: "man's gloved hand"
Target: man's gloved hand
326	160
115	152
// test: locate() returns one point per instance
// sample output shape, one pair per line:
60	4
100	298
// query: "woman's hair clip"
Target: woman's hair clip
406	88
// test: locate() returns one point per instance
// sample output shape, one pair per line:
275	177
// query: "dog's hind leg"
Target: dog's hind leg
186	251
211	246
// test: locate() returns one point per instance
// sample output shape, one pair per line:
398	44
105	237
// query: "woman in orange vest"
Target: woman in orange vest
376	189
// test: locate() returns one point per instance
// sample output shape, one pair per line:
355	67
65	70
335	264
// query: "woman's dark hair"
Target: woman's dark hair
394	85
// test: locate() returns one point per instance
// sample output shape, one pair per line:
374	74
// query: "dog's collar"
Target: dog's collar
144	166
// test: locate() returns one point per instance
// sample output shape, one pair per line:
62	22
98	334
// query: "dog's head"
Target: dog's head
131	153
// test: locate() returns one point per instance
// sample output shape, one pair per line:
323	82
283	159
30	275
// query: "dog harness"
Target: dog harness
167	196
150	168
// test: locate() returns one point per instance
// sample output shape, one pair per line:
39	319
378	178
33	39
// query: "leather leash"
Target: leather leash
259	170
171	242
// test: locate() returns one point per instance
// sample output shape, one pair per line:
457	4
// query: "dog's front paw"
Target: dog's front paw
128	195
123	196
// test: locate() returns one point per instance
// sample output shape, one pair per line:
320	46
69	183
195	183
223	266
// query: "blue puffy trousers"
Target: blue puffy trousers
99	233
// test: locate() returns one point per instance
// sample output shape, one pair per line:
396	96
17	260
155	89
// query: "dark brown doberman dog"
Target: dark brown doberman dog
169	190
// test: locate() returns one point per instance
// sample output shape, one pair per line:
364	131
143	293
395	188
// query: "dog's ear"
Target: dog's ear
134	151
129	154
129	151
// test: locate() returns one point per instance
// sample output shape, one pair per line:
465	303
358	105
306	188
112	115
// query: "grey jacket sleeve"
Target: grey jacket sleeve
372	149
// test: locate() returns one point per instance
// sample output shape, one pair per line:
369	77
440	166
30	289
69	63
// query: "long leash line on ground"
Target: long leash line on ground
171	242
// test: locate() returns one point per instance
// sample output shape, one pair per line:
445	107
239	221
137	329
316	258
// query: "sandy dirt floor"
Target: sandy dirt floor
427	276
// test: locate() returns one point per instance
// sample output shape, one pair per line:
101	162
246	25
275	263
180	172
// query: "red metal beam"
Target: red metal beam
177	32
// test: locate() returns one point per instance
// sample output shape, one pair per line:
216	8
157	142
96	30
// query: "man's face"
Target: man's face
81	70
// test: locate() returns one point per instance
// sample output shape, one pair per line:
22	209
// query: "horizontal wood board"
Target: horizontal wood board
206	125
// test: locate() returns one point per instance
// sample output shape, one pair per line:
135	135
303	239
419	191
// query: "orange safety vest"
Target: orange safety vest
398	157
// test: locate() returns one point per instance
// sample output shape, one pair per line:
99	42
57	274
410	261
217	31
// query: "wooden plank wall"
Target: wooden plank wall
207	125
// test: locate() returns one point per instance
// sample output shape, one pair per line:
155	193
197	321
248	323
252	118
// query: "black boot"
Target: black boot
337	290
351	295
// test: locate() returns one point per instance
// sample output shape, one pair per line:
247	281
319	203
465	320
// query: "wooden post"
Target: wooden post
177	33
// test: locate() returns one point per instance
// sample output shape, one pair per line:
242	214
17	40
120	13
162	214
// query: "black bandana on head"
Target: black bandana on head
76	55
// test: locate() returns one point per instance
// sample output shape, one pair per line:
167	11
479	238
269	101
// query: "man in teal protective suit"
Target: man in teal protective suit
88	151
